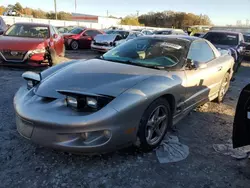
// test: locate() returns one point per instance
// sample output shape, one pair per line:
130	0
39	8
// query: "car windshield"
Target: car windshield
222	38
148	52
247	38
31	31
76	30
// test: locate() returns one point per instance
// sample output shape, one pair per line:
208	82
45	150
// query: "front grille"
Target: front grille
101	44
13	55
248	47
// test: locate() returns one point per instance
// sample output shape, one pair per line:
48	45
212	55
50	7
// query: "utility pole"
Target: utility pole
75	6
137	13
55	9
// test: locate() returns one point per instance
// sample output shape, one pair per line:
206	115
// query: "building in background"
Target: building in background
95	19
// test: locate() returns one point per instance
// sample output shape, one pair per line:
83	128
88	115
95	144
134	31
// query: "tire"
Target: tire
74	45
147	133
223	88
53	59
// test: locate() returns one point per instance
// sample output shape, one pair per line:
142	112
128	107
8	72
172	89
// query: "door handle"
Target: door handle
219	68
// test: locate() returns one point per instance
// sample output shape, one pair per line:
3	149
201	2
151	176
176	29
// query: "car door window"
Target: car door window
92	33
55	31
200	51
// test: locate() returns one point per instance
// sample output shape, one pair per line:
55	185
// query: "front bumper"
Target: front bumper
101	48
29	58
56	127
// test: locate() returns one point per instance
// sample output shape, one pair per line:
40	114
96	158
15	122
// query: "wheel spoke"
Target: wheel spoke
161	119
158	131
150	123
150	134
156	114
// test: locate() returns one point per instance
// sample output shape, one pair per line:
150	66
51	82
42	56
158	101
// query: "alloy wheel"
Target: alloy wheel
156	125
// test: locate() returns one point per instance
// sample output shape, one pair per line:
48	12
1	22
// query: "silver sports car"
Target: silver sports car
132	94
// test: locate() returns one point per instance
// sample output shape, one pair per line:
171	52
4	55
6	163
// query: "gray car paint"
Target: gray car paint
55	125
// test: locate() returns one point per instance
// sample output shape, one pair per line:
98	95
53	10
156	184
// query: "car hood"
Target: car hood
20	43
93	76
106	38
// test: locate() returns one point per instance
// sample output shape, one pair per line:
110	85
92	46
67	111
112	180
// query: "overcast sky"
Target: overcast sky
221	12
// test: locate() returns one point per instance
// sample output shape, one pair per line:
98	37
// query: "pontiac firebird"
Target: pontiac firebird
132	94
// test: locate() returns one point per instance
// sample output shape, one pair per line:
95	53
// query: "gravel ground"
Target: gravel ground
23	164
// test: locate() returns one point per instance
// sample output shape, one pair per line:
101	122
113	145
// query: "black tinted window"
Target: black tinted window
200	51
222	38
92	33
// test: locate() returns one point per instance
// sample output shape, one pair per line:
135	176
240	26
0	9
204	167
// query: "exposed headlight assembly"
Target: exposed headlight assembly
39	51
84	101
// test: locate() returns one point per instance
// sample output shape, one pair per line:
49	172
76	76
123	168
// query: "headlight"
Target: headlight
92	102
39	51
86	103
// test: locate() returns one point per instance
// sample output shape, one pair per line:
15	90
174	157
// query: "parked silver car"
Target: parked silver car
131	95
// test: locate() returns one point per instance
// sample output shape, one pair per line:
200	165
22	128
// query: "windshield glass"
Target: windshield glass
247	38
148	52
76	30
28	31
222	38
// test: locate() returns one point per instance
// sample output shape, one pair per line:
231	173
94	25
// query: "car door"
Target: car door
203	80
87	37
59	41
241	125
56	40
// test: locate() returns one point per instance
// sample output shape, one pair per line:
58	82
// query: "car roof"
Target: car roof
223	31
32	24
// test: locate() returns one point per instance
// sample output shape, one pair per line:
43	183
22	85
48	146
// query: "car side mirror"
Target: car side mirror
55	36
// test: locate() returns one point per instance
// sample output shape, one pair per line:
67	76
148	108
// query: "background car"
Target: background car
198	34
63	30
80	37
241	125
31	43
228	40
170	32
147	32
247	45
112	38
131	95
3	26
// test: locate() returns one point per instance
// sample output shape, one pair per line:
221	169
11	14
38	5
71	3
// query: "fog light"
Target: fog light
71	101
92	102
107	133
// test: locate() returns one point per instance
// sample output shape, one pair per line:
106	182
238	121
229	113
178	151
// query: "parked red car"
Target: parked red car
32	44
80	37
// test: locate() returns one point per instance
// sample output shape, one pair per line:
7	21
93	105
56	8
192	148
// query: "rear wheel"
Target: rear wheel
74	45
223	88
153	125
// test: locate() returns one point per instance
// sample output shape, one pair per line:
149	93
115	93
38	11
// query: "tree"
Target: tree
130	20
170	19
2	10
18	7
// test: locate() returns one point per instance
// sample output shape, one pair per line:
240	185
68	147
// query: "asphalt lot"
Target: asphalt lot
23	164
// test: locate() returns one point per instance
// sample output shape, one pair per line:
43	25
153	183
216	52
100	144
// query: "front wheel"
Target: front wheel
74	45
153	125
223	88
